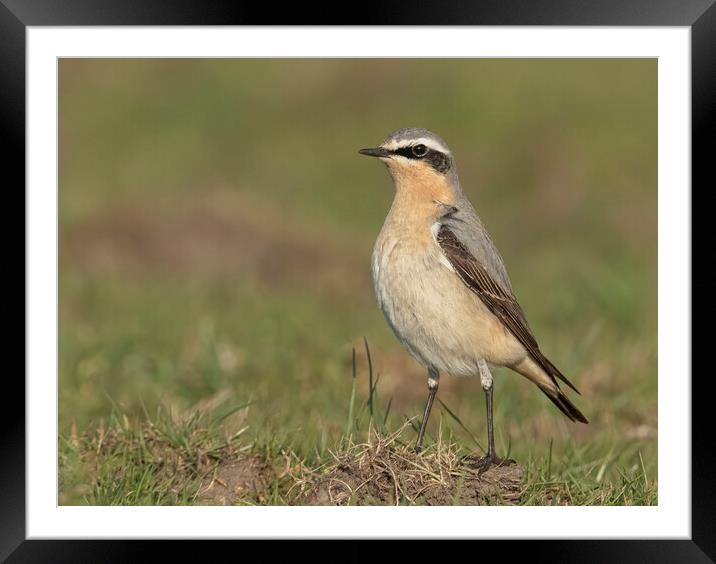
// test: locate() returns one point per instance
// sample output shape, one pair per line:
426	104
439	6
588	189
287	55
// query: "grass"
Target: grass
215	235
203	457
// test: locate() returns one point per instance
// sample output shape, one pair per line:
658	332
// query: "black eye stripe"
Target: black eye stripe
439	161
406	152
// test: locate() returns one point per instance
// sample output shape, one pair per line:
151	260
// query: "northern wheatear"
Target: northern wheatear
441	282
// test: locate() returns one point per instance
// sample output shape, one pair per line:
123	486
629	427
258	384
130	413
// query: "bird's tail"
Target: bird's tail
558	398
548	384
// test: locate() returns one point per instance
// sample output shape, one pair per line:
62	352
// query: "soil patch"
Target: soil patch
385	472
233	481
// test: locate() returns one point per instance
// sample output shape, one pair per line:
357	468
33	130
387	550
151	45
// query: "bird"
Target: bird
443	286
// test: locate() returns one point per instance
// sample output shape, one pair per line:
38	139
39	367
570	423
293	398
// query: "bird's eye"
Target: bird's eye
420	150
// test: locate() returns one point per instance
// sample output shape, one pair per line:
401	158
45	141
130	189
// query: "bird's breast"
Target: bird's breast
441	322
399	260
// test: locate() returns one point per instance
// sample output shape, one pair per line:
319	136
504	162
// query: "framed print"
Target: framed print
240	327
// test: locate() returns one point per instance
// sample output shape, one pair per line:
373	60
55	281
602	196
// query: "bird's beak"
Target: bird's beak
376	152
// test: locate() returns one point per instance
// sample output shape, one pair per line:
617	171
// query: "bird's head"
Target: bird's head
418	160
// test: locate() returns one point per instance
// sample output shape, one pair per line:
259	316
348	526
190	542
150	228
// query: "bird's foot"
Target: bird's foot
486	462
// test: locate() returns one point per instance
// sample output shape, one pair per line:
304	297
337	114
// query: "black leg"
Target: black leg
491	458
491	453
432	391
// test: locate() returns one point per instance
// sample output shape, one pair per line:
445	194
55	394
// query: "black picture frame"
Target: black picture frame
699	15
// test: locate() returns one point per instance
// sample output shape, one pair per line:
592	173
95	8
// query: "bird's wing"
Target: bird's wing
498	300
466	225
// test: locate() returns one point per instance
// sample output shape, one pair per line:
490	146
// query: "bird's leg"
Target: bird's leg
491	458
491	452
433	381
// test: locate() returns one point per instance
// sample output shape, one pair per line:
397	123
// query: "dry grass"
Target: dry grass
159	461
205	458
385	470
193	460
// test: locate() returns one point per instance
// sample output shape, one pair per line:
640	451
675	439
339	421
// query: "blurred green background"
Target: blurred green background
216	225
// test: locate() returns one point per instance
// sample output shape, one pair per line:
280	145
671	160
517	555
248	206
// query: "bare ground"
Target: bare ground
384	471
380	471
234	481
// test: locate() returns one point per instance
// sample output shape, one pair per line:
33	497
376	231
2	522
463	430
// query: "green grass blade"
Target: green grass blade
351	404
371	389
459	422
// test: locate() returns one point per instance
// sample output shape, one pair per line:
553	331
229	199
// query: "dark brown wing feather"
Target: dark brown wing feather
499	301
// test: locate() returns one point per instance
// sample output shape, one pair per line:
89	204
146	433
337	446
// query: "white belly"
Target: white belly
441	322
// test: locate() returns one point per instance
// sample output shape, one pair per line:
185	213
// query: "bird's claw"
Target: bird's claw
486	462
